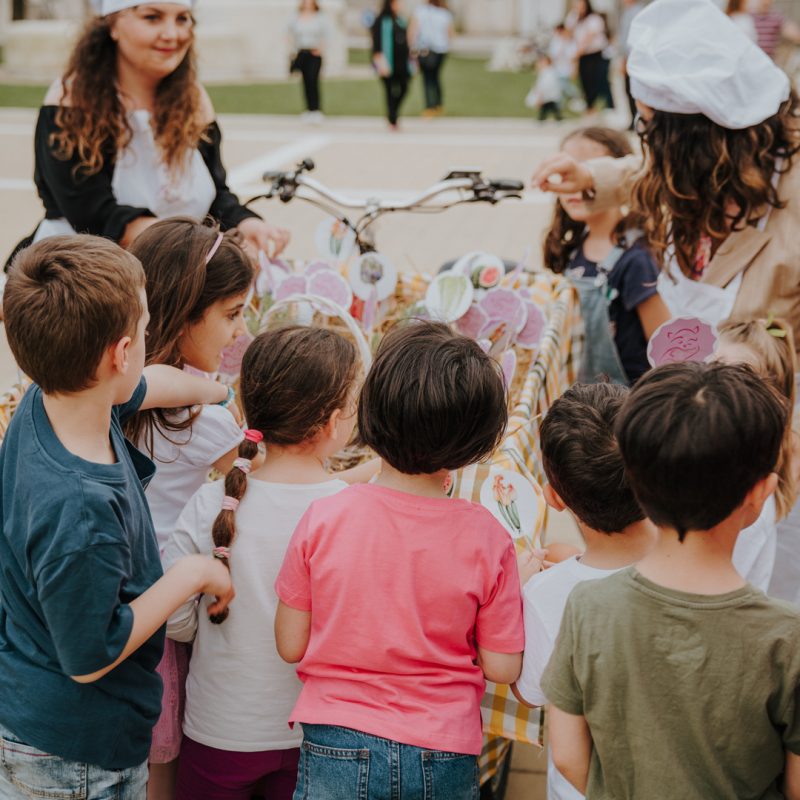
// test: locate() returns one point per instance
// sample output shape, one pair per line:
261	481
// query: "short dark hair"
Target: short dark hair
433	400
67	299
582	460
696	438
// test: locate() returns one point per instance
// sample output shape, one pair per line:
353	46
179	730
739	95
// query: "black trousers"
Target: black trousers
549	108
430	65
396	87
310	67
593	72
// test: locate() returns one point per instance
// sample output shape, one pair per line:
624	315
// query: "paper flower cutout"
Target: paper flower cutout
231	364
530	335
293	284
682	339
449	296
372	272
334	240
483	269
329	283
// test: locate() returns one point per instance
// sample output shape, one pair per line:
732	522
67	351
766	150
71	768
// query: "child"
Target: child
586	475
564	56
767	346
197	281
239	692
676	678
397	600
82	597
613	273
547	93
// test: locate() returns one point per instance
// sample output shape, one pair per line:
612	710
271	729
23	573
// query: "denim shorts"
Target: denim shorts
27	773
343	764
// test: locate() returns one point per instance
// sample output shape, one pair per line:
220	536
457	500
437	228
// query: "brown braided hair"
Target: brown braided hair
181	287
566	233
705	180
293	379
95	124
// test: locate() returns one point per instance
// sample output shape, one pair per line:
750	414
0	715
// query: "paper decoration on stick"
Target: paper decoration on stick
293	284
330	284
372	271
334	240
508	362
449	296
473	322
682	339
513	501
483	269
530	335
231	364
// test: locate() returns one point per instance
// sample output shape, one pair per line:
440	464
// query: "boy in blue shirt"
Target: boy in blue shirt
82	598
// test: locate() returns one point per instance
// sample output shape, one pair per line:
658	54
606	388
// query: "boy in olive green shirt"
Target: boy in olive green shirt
676	678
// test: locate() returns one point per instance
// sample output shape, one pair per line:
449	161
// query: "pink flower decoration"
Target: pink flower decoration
682	339
232	356
473	322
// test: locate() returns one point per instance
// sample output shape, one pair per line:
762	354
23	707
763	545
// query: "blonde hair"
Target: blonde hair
771	342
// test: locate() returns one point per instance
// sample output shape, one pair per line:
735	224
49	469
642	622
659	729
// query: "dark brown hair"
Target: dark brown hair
181	287
566	233
293	379
433	400
697	171
94	125
67	300
772	344
582	460
696	438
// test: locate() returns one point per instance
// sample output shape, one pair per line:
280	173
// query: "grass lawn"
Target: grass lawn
469	91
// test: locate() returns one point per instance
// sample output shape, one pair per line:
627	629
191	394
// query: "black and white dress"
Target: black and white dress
133	182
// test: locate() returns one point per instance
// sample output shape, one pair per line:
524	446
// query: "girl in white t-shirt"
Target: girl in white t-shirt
298	390
197	282
767	346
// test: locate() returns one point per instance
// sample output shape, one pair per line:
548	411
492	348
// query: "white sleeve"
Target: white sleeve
538	649
192	535
214	433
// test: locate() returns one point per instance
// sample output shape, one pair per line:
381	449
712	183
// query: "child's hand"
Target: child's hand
530	563
562	174
217	581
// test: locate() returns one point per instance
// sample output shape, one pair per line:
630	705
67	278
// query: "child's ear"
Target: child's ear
329	430
552	498
759	494
119	355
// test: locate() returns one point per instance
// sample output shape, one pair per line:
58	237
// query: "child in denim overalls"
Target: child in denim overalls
614	275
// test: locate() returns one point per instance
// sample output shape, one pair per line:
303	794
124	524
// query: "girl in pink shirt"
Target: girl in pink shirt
396	600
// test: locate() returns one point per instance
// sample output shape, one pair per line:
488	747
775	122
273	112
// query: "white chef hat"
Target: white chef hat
687	57
104	7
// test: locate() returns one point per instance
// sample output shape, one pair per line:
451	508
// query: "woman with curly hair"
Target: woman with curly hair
719	189
128	135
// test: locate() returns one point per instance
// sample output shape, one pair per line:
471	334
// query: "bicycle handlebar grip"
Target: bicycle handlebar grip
273	175
507	185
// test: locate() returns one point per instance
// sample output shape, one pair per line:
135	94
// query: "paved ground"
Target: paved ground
361	157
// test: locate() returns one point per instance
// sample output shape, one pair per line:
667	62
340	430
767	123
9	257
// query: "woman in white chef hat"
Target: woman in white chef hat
720	184
128	135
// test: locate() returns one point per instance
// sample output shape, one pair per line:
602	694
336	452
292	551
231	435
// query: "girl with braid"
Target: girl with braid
299	391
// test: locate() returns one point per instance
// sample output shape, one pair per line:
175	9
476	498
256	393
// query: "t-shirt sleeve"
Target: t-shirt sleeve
559	682
293	584
499	626
639	279
125	411
214	433
538	648
79	594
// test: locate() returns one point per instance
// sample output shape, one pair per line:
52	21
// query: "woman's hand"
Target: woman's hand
259	235
562	174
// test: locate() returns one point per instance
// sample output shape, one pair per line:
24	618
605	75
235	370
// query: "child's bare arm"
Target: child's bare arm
168	387
652	313
500	667
189	576
791	777
292	630
571	746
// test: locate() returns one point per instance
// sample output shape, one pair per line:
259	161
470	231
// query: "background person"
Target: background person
309	32
430	33
128	135
390	57
591	42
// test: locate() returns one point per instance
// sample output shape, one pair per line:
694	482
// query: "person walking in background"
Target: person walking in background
429	34
631	9
563	54
772	27
547	93
390	57
309	33
591	40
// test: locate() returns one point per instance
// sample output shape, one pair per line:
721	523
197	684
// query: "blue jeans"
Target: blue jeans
343	764
27	773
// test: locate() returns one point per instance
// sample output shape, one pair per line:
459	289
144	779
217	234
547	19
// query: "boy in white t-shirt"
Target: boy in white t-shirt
586	476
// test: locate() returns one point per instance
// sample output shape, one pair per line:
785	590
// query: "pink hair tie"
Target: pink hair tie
214	247
244	464
229	503
252	435
221	552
